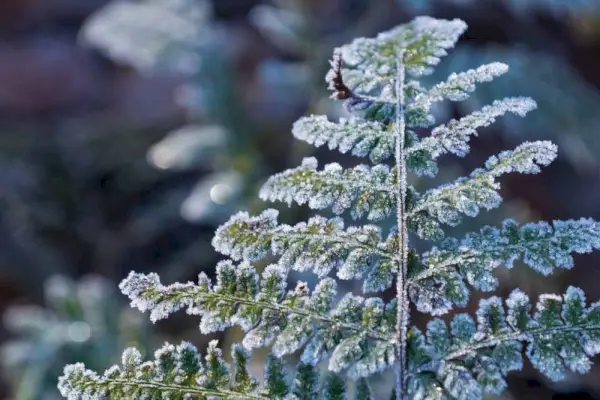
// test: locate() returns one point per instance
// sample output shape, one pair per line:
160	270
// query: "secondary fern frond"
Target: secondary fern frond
362	138
363	190
318	245
480	190
270	316
437	282
458	86
424	41
178	372
454	137
470	359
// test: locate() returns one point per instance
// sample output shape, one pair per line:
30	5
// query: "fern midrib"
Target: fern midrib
286	310
225	394
518	335
349	240
344	182
461	258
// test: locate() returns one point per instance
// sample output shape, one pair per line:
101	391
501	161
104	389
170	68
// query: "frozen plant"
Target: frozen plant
357	337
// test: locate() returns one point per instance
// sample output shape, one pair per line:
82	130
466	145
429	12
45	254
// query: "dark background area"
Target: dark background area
97	178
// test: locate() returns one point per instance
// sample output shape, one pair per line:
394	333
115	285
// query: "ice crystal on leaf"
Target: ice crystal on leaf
366	191
362	138
471	358
424	41
319	245
467	195
355	337
454	136
289	321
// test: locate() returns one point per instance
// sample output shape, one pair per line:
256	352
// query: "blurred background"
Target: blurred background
129	130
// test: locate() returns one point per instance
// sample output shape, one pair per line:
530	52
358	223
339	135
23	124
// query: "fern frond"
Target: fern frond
319	245
424	41
437	282
362	189
177	372
471	359
454	136
362	138
357	337
480	190
289	321
458	86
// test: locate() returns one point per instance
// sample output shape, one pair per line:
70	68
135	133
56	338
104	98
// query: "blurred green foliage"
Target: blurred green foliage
84	319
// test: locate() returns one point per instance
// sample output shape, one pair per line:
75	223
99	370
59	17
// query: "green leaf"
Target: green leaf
480	190
470	361
541	246
362	190
319	245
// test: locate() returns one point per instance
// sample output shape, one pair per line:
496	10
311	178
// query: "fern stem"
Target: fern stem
401	281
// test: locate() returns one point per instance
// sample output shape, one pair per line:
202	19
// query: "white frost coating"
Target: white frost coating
224	243
490	317
574	308
518	307
370	55
380	356
462	328
542	246
459	382
362	138
555	339
320	244
458	86
348	352
363	190
454	136
480	189
131	358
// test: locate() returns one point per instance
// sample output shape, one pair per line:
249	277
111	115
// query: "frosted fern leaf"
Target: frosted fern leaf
289	321
454	137
437	281
471	358
177	372
319	245
170	31
362	138
424	41
362	190
458	86
480	190
180	373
